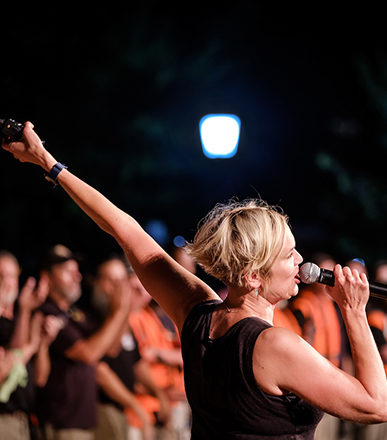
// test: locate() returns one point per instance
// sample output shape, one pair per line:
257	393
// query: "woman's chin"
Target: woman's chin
294	291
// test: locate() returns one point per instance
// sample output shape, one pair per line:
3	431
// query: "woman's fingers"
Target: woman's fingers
364	278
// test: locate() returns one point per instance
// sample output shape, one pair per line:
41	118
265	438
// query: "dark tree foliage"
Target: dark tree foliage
118	91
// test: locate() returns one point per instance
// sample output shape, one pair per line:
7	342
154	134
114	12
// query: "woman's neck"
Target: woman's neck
247	302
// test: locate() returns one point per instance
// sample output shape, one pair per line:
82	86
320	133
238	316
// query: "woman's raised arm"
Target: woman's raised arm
172	286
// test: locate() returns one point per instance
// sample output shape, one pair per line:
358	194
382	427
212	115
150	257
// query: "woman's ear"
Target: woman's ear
253	280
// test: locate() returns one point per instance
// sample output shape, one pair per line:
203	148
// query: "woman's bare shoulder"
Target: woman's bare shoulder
278	339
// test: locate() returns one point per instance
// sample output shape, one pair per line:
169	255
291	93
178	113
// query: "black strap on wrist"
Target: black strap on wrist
52	175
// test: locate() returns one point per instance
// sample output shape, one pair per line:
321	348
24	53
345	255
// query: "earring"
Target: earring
256	292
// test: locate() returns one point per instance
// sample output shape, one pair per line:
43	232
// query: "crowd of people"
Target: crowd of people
87	356
110	366
265	358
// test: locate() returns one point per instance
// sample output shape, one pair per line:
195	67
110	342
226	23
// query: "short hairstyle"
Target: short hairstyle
238	238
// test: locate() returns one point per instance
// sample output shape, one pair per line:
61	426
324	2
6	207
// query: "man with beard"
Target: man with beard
68	401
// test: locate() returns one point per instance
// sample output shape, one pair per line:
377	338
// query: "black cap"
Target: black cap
56	255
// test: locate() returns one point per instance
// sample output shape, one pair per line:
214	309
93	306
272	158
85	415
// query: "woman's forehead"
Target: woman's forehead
289	240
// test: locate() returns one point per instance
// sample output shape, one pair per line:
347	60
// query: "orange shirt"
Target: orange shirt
150	332
285	318
321	310
378	319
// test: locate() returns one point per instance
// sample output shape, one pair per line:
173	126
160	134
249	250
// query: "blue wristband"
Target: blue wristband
52	175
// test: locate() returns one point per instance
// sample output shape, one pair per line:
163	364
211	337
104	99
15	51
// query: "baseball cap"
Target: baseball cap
58	254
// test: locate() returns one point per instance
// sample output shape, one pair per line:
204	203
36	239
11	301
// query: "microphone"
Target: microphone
310	273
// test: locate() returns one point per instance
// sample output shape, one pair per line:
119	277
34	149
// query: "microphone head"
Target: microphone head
309	273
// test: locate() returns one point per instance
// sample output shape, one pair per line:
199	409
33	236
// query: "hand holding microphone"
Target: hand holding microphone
310	273
351	289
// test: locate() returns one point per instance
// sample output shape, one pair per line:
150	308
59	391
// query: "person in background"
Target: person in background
68	400
284	317
321	326
122	367
158	345
377	319
358	264
317	315
377	315
22	334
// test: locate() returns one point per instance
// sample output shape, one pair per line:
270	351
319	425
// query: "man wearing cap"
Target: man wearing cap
68	401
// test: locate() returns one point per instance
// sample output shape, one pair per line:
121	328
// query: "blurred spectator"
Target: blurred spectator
20	336
377	318
157	347
322	326
284	317
122	365
318	317
7	360
9	284
68	401
380	272
352	430
358	264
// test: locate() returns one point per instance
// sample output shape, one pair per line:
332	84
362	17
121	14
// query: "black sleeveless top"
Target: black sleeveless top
225	399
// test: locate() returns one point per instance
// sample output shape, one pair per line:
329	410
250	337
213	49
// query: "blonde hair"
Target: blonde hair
238	238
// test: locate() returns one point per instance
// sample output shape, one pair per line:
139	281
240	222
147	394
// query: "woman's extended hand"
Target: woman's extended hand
30	149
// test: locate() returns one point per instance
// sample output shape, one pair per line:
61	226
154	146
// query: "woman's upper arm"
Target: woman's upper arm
284	362
174	288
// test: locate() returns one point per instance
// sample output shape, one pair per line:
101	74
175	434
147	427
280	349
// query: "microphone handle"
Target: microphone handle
326	277
378	290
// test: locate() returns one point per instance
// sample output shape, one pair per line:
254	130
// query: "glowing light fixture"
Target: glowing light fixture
219	134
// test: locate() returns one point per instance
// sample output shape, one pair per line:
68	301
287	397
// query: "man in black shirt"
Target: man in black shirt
69	399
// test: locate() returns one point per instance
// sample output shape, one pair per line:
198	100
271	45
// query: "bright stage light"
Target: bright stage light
219	134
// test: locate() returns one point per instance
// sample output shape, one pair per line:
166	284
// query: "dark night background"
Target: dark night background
117	94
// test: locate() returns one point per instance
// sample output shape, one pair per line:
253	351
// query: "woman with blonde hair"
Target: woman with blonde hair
244	378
